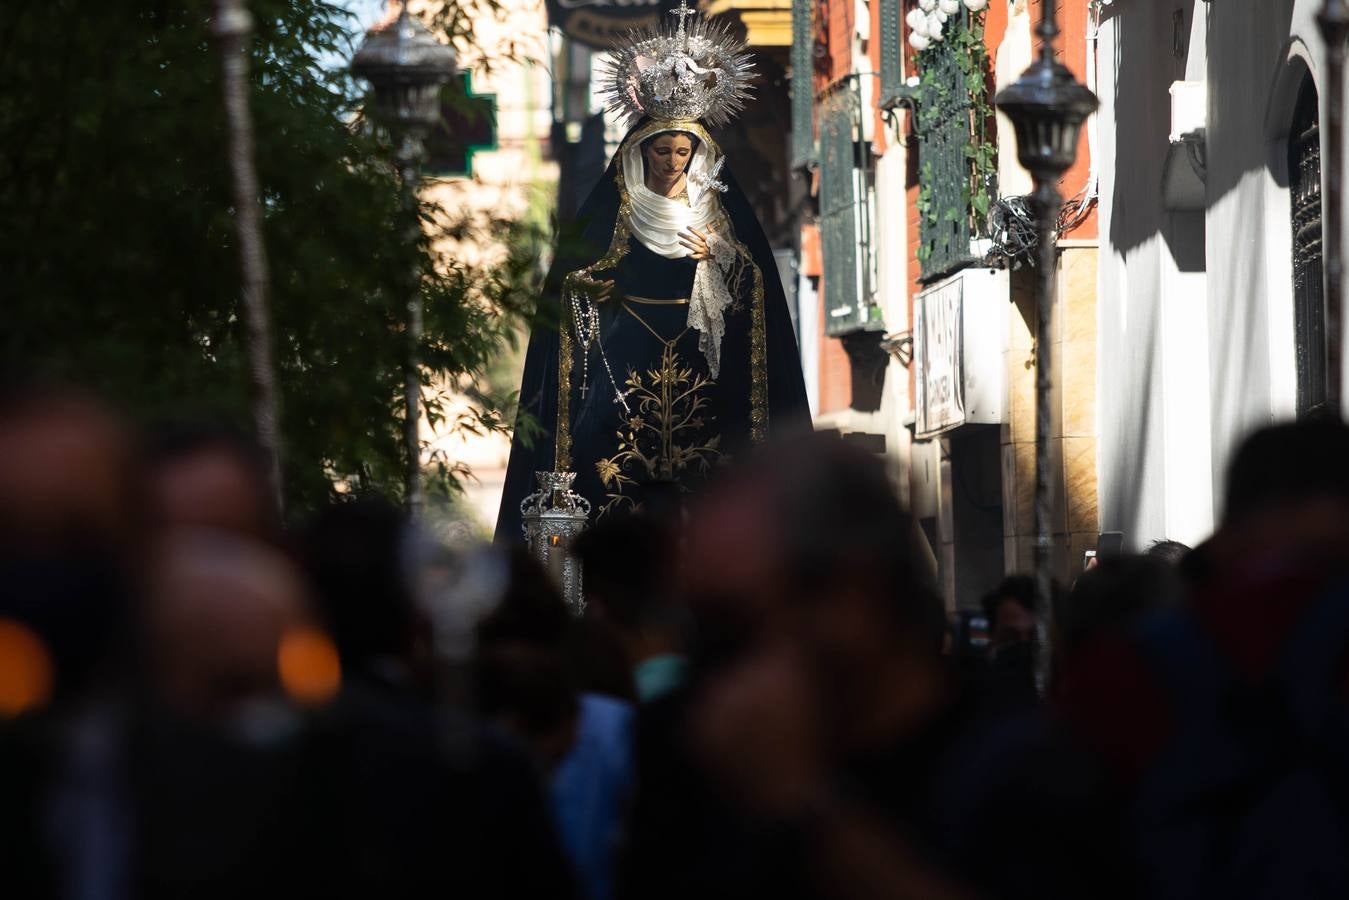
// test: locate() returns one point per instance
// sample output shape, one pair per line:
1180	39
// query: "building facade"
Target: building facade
1190	289
917	258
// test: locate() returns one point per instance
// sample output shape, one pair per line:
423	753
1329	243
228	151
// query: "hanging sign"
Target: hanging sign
960	332
939	339
601	23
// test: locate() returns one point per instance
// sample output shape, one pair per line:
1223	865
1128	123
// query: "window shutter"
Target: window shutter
892	48
803	82
839	212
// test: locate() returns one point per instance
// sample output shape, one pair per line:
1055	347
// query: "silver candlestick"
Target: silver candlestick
553	517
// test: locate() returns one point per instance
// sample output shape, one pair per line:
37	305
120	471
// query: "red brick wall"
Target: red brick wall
835	374
839	19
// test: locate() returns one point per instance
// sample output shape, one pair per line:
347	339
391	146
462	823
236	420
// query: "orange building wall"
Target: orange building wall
1071	50
839	16
879	140
835	372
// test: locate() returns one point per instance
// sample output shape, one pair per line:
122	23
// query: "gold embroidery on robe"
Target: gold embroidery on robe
664	435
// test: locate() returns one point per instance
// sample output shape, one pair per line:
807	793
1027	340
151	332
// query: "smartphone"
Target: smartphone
1110	545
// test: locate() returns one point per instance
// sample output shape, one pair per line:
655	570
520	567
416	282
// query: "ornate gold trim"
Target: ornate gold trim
758	358
758	342
652	301
618	248
657	126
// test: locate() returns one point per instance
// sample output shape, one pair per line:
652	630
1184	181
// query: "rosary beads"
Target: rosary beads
586	321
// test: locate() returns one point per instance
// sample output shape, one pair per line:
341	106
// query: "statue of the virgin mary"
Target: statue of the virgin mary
664	345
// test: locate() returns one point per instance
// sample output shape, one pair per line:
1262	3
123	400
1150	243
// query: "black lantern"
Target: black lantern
406	66
1047	107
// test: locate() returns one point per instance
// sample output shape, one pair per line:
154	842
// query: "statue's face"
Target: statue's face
667	157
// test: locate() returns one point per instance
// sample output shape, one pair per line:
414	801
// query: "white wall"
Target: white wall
1152	400
1196	345
892	276
808	339
1257	54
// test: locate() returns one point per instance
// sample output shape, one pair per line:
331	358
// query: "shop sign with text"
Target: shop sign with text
939	339
600	23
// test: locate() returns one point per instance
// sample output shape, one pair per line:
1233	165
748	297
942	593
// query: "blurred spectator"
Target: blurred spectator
628	587
1009	680
830	722
185	711
1171	552
581	740
219	617
356	556
1224	718
424	801
71	549
209	477
216	755
1112	598
68	476
598	662
71	538
1011	611
1281	468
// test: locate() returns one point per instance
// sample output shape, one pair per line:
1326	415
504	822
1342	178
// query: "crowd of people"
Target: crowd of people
765	696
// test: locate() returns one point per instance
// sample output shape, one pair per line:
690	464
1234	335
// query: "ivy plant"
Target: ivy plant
964	85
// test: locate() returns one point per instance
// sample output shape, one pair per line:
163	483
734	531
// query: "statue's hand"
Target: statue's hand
598	291
601	290
697	243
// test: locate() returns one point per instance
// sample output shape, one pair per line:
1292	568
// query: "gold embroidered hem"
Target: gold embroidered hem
562	446
758	357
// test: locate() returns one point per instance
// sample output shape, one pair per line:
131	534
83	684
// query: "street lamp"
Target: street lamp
1047	107
406	67
1334	21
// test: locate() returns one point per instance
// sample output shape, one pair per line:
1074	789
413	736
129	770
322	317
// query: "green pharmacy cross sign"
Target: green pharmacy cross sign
468	124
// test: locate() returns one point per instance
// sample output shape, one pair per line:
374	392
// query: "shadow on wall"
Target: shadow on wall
1249	44
1145	66
1250	315
1150	54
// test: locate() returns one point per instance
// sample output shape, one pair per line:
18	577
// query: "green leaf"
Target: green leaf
118	246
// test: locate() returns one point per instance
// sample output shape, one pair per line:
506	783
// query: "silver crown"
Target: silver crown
691	72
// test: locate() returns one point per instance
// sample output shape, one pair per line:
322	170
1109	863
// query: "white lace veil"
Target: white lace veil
656	221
